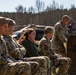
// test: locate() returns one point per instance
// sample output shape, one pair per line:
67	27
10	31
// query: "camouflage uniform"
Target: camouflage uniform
17	52
15	49
9	66
59	37
62	62
44	63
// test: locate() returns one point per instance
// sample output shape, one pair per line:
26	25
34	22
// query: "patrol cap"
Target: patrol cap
11	22
48	29
3	20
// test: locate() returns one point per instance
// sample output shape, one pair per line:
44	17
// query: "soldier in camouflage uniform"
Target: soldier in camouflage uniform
15	49
59	40
8	65
45	49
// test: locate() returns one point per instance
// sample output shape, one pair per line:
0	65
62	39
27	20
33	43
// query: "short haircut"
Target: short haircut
48	29
3	20
11	22
66	17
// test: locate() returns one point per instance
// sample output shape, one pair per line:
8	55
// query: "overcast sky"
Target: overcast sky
9	5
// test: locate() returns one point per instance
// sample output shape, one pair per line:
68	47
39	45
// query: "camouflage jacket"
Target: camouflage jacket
4	56
59	36
16	50
45	48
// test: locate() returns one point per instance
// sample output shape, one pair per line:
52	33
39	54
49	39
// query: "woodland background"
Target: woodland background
38	15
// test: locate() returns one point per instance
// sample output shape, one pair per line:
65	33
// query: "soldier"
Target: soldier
60	35
45	49
15	49
8	65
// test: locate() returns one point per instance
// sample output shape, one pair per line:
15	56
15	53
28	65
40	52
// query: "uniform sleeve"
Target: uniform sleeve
45	49
13	51
60	33
3	56
22	50
2	60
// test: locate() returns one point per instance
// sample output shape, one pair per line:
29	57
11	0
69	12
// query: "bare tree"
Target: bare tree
19	8
40	5
43	6
54	5
24	9
72	6
47	9
61	7
31	9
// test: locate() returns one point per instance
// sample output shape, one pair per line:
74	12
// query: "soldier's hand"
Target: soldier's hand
65	45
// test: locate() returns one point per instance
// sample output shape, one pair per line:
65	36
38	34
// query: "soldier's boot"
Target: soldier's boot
35	68
18	68
65	64
42	62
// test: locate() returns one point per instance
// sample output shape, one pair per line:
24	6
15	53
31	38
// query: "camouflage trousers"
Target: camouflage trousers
35	68
16	68
60	52
43	62
63	63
